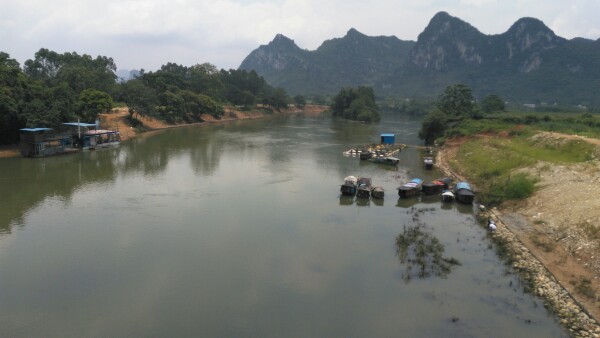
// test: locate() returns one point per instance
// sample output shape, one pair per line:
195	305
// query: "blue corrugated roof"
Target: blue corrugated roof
387	135
81	124
35	129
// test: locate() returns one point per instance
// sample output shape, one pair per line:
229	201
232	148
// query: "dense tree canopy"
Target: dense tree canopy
454	104
53	88
433	126
356	104
457	100
492	103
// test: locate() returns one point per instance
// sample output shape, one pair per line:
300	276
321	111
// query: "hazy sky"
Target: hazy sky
149	33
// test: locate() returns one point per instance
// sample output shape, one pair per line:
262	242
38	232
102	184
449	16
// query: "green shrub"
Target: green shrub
519	187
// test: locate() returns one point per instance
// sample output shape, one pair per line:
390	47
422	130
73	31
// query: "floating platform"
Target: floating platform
369	151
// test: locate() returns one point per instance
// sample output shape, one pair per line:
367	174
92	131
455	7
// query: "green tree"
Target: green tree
492	103
13	85
433	127
457	100
140	98
299	101
93	102
356	104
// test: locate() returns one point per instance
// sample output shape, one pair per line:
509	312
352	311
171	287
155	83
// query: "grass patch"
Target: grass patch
591	231
546	244
584	286
492	161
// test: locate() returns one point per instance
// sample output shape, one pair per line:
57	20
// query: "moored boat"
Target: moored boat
377	192
365	154
385	160
447	196
349	186
364	187
436	186
411	188
463	193
428	162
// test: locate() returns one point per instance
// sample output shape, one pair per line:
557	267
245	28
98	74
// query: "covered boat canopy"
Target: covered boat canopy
414	183
364	180
463	185
350	179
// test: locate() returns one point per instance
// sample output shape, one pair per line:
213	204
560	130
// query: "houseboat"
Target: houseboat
377	192
91	137
436	186
463	193
447	196
364	187
411	188
385	160
349	186
40	142
428	162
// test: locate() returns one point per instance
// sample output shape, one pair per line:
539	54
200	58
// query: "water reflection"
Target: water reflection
378	201
346	200
407	202
363	202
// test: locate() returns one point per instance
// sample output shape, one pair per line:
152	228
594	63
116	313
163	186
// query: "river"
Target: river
239	230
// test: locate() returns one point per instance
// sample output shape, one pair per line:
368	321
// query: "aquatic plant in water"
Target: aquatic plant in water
422	253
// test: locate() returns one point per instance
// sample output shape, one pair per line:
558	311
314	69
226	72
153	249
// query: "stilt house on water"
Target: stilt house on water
40	142
92	137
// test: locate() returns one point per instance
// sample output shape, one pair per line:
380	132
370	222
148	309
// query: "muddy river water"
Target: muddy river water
239	230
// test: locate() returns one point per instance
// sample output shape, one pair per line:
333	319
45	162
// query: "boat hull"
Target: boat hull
464	196
363	193
348	190
408	192
433	188
377	193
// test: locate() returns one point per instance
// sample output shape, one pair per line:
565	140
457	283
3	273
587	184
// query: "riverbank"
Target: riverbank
541	240
117	120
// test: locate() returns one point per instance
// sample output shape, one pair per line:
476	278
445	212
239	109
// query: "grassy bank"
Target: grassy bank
496	160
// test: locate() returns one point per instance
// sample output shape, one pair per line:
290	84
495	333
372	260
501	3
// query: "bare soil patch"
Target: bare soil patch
560	223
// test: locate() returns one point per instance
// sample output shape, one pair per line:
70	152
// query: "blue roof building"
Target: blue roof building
388	138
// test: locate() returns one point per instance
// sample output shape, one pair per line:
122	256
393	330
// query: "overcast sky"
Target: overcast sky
149	33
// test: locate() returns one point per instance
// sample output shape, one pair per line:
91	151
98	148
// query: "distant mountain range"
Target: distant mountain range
528	63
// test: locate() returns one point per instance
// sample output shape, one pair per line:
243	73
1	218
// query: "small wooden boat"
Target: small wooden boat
349	186
365	154
428	162
436	186
364	187
385	160
463	193
377	192
447	196
411	188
